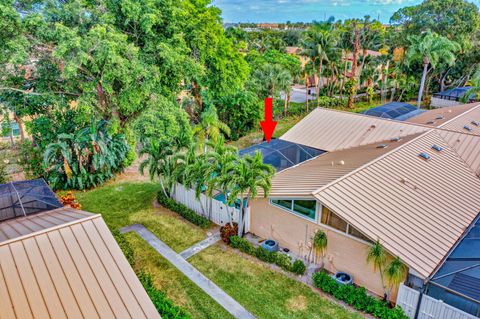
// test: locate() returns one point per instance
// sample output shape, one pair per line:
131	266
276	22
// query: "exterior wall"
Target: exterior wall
343	253
439	103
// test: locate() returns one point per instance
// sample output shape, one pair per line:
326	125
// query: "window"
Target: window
285	203
305	207
355	233
302	207
332	220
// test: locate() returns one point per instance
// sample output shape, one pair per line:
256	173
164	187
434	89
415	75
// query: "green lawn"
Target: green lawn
264	292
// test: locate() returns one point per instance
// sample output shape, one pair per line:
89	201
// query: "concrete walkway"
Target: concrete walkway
227	302
198	247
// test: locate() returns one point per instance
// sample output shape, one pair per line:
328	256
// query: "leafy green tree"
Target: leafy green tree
248	176
430	50
474	90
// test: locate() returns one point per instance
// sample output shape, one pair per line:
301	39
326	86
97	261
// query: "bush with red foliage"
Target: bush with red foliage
228	231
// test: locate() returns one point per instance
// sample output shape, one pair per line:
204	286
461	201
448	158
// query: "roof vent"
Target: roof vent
476	123
437	148
440	117
341	163
395	139
373	126
382	146
430	122
468	128
425	156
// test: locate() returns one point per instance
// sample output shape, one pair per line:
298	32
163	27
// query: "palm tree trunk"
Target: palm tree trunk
306	89
163	188
422	85
285	105
320	80
384	82
240	217
20	126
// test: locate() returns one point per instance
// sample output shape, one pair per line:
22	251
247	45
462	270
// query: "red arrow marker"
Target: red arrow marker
268	125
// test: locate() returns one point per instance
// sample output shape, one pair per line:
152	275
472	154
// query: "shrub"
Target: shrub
183	210
298	267
282	260
331	102
165	306
124	246
228	231
356	297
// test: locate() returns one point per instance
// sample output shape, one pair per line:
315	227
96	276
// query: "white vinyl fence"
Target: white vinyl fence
213	209
430	308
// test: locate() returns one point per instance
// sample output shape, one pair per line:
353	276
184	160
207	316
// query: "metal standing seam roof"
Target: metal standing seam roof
437	117
332	130
418	208
73	269
326	168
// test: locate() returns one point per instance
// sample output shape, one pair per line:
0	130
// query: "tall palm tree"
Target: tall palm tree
377	256
248	176
284	83
430	49
395	273
222	159
210	127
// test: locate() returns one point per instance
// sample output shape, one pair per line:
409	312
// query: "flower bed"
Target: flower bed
183	210
282	260
356	297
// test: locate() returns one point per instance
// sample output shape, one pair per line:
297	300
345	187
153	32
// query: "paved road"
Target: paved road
220	296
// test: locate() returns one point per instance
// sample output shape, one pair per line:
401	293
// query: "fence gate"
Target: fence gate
407	299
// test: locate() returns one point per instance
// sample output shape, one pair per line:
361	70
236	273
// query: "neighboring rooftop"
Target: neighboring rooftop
394	111
455	94
437	117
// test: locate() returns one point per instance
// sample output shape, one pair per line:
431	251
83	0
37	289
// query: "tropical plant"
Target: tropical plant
377	256
248	176
320	242
86	158
430	49
160	163
395	273
210	127
474	91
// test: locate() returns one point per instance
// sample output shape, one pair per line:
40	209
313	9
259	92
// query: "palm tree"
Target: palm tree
222	159
285	82
430	49
377	256
395	273
248	176
210	127
474	91
159	164
320	242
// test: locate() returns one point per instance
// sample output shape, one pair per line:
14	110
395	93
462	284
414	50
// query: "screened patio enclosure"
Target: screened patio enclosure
282	154
395	111
457	282
24	198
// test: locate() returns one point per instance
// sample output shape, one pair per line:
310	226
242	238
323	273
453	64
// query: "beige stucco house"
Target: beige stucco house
413	186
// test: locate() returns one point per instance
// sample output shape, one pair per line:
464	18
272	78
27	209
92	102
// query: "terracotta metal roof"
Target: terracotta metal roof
73	269
417	208
315	173
333	130
440	116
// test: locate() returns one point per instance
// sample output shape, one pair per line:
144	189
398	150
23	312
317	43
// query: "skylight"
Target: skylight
425	156
437	148
476	123
468	128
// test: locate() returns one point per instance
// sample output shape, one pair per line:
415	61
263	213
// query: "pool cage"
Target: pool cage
394	110
282	154
24	198
457	282
455	94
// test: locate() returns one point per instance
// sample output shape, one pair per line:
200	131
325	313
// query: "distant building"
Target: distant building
451	97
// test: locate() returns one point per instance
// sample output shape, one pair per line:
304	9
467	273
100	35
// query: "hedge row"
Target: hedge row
356	297
183	210
282	260
165	306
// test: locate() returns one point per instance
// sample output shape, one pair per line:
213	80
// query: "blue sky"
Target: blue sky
307	10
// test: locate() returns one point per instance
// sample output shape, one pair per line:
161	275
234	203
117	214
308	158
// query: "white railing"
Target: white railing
205	206
430	308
